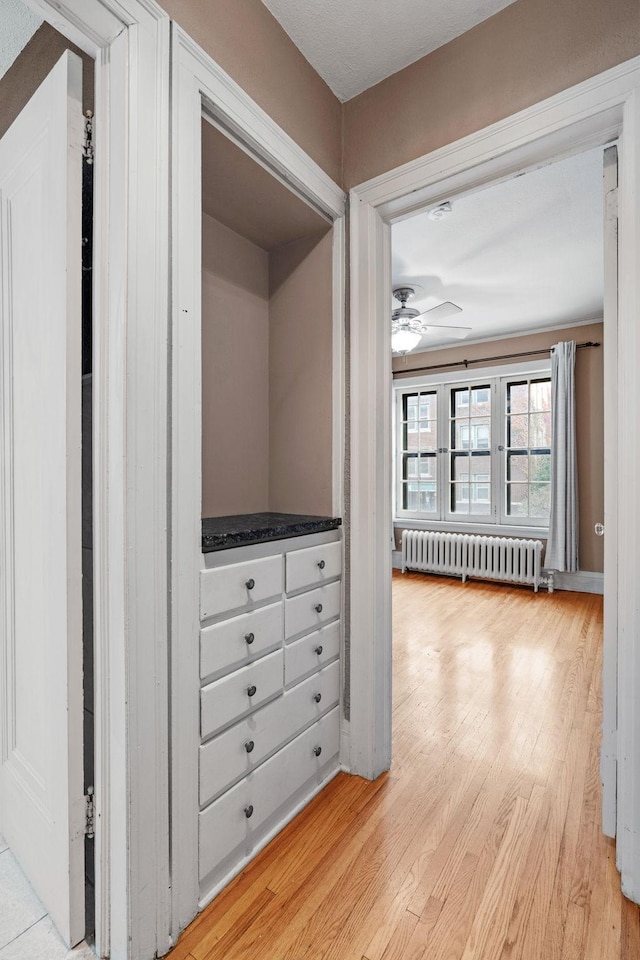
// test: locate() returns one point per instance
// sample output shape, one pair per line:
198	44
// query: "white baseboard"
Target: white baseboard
584	581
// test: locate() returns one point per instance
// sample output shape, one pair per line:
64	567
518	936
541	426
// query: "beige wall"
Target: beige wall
246	40
589	416
530	50
235	373
29	69
301	359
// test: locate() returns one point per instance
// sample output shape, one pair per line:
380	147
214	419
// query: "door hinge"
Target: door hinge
90	814
87	145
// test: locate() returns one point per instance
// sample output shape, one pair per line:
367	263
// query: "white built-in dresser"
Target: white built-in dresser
270	672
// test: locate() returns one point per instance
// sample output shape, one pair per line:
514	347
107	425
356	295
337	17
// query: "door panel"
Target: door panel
41	774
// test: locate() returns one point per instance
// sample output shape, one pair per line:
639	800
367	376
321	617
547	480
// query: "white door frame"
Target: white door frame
603	108
129	40
199	84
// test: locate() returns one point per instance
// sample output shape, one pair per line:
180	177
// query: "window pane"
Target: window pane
460	466
460	402
540	500
410	407
480	433
540	395
409	467
460	498
428	435
410	435
461	435
480	401
480	486
480	506
518	499
425	408
410	496
517	466
540	466
517	398
540	430
427	468
427	497
518	431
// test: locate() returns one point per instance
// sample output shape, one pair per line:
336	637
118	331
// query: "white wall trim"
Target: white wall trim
592	113
129	41
461	375
593	110
202	88
248	124
627	528
584	581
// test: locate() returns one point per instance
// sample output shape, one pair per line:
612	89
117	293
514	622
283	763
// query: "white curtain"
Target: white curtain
562	546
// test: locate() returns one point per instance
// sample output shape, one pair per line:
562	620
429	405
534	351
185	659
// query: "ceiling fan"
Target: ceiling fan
408	325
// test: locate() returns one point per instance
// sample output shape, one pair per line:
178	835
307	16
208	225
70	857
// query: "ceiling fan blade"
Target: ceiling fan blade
457	333
442	311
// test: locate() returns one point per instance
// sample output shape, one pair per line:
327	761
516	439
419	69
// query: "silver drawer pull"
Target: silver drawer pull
251	691
321	564
249	745
318	608
249	638
250	584
248	810
318	649
317	697
317	751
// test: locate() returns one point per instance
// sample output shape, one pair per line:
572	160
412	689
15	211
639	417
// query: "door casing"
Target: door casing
129	41
595	112
202	88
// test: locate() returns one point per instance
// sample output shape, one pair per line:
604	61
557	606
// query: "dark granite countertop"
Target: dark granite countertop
220	533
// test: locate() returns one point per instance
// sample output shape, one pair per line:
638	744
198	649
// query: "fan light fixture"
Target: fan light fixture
408	325
404	341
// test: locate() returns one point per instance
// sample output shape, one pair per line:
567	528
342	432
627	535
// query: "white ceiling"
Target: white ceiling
17	25
523	255
354	44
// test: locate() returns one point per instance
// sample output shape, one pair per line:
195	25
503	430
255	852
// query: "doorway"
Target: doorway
580	117
128	42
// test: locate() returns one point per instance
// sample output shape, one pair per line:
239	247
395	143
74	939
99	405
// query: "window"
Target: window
528	448
478	452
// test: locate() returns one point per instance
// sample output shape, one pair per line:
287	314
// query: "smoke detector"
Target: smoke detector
441	212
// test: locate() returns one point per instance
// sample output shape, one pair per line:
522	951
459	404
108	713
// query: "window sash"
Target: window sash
427	495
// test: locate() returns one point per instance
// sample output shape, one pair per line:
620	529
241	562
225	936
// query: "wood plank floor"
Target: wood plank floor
483	842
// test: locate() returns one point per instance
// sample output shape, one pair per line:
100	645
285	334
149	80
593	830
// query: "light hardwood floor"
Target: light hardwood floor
483	842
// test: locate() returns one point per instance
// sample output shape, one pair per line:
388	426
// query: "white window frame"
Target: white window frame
497	521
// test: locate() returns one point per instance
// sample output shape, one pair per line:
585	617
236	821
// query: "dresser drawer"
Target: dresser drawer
239	584
230	698
305	568
225	759
228	644
224	824
310	610
306	655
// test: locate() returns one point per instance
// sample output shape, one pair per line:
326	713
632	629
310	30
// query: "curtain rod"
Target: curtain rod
504	356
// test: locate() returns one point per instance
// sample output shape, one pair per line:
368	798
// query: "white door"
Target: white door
41	707
608	756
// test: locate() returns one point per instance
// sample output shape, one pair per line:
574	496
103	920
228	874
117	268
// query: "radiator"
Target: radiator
464	555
